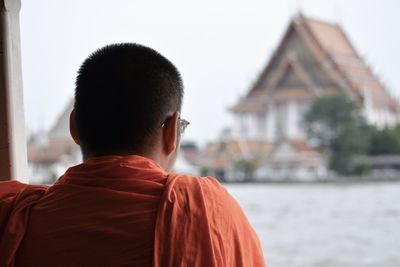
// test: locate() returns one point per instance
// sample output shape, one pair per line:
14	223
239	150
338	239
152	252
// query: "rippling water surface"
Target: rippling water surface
310	225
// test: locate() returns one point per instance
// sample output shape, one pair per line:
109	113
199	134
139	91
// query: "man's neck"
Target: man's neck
153	156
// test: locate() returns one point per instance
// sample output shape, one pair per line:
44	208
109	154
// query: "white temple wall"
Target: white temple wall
281	120
271	123
303	107
247	126
252	125
236	126
292	119
245	131
380	117
289	115
261	125
240	127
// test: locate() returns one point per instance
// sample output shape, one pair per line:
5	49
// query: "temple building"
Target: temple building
51	153
314	58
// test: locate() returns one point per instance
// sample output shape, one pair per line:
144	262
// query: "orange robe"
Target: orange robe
124	211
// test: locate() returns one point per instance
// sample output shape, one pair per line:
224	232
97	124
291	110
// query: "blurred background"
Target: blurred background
293	105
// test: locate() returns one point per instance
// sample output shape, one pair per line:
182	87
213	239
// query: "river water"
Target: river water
324	225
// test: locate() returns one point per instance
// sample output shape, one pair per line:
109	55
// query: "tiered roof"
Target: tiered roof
314	58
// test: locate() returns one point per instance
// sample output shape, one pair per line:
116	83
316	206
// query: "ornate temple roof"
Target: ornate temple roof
314	58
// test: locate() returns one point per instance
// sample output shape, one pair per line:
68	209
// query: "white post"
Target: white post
13	154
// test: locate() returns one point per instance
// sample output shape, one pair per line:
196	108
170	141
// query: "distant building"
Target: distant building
51	153
314	58
231	160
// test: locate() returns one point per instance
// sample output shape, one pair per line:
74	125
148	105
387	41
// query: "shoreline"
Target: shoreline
341	180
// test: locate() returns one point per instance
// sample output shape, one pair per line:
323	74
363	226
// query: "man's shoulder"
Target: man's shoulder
207	189
184	181
14	193
10	188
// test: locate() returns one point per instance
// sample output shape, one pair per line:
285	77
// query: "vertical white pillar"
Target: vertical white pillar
292	119
271	122
13	154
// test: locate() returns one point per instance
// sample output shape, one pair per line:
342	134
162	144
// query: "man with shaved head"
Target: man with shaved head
122	206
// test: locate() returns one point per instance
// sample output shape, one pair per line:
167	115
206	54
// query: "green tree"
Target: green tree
336	126
247	167
384	141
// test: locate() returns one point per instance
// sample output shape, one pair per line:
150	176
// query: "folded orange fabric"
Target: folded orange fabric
200	224
16	200
124	211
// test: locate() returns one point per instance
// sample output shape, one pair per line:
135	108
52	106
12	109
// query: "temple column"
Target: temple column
271	123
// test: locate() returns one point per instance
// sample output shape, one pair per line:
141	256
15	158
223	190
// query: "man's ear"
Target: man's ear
170	134
72	128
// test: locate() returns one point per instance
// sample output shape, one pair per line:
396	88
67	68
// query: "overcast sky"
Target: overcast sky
219	46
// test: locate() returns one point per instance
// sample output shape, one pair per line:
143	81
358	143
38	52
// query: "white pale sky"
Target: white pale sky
219	46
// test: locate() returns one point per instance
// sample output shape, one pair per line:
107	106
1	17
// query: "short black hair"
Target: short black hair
123	93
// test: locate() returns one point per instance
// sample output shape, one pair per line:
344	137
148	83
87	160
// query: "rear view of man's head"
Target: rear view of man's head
127	101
